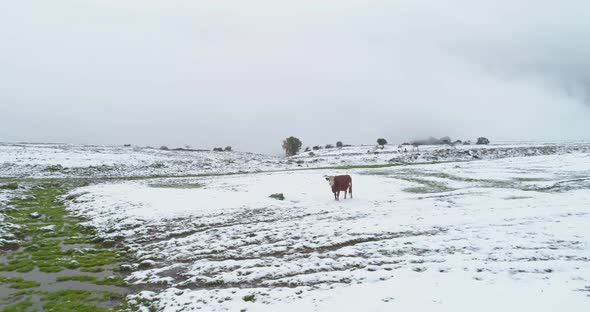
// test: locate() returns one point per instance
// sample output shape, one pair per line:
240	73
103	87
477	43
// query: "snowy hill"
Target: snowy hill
65	160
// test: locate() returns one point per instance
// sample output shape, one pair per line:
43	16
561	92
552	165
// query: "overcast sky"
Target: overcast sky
249	73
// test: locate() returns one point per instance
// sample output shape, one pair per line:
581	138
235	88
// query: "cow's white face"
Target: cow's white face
330	180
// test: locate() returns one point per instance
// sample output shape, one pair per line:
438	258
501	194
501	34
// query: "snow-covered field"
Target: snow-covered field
492	234
66	160
5	236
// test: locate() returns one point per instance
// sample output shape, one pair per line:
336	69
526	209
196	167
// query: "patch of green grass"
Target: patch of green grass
19	307
157	165
215	283
348	167
43	247
79	240
72	300
249	298
9	186
92	270
41	242
79	278
516	197
526	179
177	185
138	304
18	282
111	281
23	293
427	186
54	168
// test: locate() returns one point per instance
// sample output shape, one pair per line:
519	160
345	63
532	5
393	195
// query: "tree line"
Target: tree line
292	145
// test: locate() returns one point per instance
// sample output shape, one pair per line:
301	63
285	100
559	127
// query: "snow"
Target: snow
97	161
408	291
488	235
69	160
5	227
3	200
49	228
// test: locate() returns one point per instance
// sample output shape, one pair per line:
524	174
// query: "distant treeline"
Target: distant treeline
445	141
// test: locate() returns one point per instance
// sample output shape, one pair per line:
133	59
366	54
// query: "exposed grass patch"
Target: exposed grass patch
92	270
215	283
111	281
54	168
138	304
79	278
74	300
157	165
19	307
41	241
348	167
18	283
525	179
79	240
427	186
561	186
43	249
516	197
176	185
80	181
9	186
249	298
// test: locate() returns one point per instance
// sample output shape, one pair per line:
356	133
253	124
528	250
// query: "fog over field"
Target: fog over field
248	74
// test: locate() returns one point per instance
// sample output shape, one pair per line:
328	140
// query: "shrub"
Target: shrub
307	149
278	196
164	148
157	165
218	149
227	149
432	141
317	148
329	146
9	186
291	145
339	144
482	140
54	168
250	298
381	141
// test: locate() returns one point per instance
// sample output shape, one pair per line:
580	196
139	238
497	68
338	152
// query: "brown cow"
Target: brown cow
340	183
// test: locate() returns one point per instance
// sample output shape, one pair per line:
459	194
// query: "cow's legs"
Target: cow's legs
345	192
335	197
350	190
